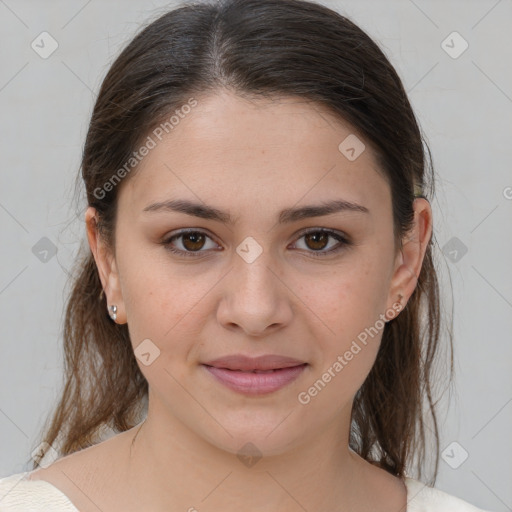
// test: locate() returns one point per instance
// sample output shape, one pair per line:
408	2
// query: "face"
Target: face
272	280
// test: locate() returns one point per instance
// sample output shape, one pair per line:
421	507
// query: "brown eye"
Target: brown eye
189	243
193	241
317	240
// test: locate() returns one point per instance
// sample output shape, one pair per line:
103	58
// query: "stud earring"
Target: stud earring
394	311
113	312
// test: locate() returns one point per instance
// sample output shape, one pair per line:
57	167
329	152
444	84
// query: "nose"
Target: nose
255	299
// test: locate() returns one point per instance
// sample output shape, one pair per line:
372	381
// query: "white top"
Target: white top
20	495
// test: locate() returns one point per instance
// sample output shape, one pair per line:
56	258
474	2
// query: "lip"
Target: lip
246	363
237	372
249	383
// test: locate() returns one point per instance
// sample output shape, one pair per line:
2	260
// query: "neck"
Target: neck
179	470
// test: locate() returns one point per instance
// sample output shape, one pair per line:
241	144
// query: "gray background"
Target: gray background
464	105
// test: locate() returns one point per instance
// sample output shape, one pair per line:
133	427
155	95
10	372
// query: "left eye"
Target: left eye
318	239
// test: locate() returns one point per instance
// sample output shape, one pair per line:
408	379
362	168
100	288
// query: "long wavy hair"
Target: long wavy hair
256	48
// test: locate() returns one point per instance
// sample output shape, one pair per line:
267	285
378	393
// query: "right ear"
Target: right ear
106	264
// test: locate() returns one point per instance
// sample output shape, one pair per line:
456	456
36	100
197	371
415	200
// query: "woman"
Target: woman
260	271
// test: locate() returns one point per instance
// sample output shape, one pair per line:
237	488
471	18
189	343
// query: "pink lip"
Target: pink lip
250	383
238	372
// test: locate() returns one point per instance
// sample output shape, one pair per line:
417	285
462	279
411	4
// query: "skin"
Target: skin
251	159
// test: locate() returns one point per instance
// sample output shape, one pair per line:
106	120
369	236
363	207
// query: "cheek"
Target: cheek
346	355
348	300
164	303
347	310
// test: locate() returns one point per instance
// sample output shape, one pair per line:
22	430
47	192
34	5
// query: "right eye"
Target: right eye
192	241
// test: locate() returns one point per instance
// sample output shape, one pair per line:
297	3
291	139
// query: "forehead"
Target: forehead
233	147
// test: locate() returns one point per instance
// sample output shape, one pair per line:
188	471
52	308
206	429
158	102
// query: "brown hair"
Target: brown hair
262	48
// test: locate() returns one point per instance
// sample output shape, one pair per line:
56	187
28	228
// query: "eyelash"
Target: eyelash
344	242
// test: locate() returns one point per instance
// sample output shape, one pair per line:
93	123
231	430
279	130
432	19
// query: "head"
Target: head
255	111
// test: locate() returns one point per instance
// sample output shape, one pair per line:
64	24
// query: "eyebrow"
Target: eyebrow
286	216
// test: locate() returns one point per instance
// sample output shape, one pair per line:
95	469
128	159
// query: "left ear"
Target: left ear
409	259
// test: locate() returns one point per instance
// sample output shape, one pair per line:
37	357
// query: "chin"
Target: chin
270	436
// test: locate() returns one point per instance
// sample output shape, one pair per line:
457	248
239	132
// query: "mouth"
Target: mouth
255	376
264	362
253	371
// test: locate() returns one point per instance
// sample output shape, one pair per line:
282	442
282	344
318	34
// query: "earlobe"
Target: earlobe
411	255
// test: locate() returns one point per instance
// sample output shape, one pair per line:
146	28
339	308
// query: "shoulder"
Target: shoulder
70	483
18	494
422	498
